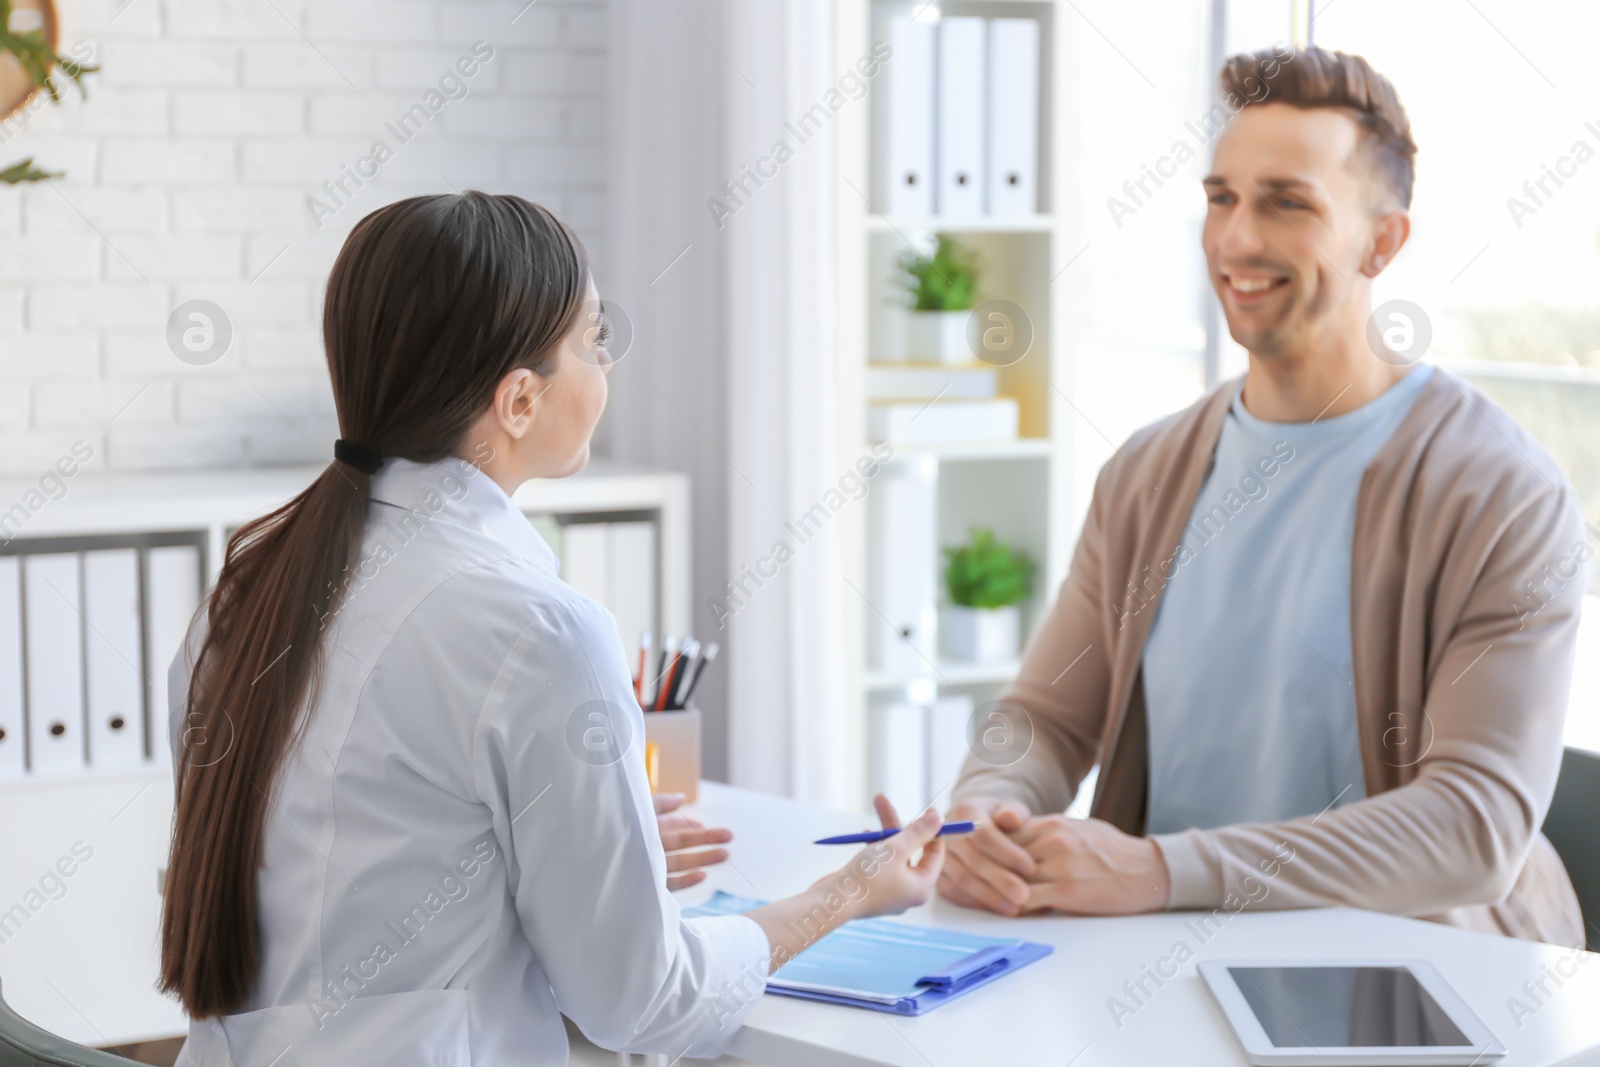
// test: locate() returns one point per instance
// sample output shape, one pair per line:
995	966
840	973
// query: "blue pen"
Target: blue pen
870	836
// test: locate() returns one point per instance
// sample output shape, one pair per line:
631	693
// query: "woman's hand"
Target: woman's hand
885	878
892	881
678	832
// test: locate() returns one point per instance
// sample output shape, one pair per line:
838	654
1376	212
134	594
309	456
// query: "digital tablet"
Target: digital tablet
1341	1013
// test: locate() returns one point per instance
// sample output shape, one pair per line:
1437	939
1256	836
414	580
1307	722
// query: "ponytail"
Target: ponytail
264	624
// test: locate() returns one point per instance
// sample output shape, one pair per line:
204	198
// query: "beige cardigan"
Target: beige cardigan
1464	528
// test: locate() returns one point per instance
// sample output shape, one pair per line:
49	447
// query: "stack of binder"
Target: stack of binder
888	966
85	642
918	748
957	117
613	563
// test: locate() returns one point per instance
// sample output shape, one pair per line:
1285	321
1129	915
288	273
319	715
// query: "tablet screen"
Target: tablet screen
1328	1007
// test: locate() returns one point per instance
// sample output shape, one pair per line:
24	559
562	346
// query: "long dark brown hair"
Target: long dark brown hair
431	302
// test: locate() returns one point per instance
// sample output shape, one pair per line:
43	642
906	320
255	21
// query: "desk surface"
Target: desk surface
1059	1011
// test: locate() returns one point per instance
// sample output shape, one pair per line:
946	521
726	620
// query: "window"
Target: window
1504	258
1137	275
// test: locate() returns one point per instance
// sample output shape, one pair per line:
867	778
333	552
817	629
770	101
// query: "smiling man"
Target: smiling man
1291	637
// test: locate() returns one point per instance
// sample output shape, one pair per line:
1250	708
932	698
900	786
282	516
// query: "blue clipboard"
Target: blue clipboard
887	966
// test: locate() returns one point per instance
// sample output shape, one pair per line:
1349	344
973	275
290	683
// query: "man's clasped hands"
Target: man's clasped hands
1015	863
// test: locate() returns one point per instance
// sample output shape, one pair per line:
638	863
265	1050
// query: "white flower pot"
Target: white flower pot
982	635
938	337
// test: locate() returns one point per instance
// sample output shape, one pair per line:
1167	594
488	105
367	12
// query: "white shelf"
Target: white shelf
949	673
958	224
184	500
1020	448
97	945
1022	488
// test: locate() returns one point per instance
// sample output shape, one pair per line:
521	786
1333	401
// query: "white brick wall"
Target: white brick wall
188	171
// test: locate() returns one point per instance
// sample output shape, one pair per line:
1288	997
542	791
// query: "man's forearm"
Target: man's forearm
1417	850
1003	784
1021	753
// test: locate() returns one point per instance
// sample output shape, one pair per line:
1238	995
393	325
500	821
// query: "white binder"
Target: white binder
171	598
631	581
113	658
948	720
585	547
903	554
13	760
1012	158
961	112
52	600
902	101
898	746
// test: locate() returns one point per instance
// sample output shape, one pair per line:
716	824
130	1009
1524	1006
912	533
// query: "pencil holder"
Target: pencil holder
672	751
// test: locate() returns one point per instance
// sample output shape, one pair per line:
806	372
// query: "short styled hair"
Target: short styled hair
1318	78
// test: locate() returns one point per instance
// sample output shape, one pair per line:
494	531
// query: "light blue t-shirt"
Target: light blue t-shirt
1247	670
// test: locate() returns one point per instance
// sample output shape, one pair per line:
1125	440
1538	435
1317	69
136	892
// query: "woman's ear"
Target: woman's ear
516	401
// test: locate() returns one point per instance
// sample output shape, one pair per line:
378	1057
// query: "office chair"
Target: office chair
1573	826
23	1044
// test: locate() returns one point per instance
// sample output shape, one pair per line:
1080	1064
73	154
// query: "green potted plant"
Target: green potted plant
943	288
986	581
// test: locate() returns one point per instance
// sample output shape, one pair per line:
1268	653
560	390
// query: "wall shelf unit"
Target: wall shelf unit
956	452
1020	488
1015	224
943	672
83	962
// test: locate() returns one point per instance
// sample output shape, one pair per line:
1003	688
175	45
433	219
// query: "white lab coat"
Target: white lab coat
463	846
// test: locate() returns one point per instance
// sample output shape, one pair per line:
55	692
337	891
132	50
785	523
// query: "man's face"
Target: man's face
1290	224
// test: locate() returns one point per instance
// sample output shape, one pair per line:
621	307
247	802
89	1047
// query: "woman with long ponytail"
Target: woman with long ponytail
394	840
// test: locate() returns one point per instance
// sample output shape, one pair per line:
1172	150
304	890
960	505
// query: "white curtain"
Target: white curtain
734	379
785	698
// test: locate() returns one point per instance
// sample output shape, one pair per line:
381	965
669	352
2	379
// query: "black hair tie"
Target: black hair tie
360	457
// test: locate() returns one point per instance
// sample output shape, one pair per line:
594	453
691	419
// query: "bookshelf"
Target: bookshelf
78	952
899	224
1022	488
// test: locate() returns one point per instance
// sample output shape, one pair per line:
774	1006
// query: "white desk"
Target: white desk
1055	1011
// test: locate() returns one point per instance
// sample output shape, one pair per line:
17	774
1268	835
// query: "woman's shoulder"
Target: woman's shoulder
488	630
515	596
465	608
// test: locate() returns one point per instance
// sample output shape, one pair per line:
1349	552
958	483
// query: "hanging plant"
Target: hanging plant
33	52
